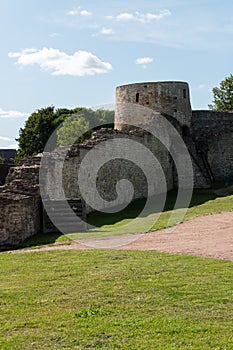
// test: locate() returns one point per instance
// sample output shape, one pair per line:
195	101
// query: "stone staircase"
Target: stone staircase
63	216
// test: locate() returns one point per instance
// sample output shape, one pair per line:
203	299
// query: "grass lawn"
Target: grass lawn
203	202
115	300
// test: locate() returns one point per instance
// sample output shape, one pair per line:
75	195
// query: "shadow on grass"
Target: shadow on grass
37	240
133	210
98	219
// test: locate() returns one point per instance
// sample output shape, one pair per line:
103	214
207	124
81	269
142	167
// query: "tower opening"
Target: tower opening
137	97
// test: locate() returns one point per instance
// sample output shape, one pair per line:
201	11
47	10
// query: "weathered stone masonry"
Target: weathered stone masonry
110	173
20	204
171	98
212	133
207	135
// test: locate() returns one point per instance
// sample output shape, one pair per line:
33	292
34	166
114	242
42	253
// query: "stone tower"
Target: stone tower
170	97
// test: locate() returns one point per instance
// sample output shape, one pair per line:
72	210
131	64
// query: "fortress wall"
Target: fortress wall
20	217
170	98
112	171
59	176
115	170
20	207
207	134
213	134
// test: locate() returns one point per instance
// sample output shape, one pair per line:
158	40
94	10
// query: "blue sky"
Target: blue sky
74	53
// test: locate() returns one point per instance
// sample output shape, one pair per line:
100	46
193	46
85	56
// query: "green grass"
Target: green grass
203	202
115	300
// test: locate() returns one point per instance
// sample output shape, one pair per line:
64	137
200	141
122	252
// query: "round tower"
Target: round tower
170	97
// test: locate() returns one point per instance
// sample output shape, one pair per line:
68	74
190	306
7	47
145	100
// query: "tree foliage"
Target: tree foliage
74	130
223	95
81	123
37	130
42	123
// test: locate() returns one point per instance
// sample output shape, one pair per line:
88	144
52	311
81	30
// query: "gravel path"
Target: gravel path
208	236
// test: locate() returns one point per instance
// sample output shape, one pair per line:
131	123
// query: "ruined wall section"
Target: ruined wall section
111	172
20	217
212	132
20	205
24	178
171	98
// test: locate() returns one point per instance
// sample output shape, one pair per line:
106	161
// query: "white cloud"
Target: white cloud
85	13
72	12
7	143
9	146
125	16
3	138
80	12
143	61
104	31
143	17
148	17
107	31
12	114
30	50
201	86
13	146
57	62
54	35
208	87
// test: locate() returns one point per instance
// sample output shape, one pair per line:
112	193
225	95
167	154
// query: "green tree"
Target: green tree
73	130
105	117
37	130
41	124
223	95
1	160
81	123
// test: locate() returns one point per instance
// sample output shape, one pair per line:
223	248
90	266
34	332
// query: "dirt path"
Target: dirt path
209	236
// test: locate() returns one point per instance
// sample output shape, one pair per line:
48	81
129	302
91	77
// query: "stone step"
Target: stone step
72	228
61	220
65	211
64	216
61	206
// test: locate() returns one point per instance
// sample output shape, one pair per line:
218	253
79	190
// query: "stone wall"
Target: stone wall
110	173
201	177
212	132
20	204
20	217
